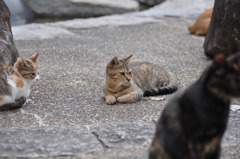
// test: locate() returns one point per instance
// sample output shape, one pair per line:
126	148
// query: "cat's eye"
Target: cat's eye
130	73
122	73
32	74
113	74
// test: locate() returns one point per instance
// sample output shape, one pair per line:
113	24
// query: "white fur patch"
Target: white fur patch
25	90
19	92
7	99
37	78
13	87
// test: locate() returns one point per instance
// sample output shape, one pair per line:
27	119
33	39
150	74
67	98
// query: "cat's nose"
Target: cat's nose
37	78
128	79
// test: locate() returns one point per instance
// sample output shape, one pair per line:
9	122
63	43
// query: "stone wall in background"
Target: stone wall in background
80	8
68	9
20	14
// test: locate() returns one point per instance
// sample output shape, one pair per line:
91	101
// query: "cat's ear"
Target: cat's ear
34	57
20	62
219	58
128	59
113	62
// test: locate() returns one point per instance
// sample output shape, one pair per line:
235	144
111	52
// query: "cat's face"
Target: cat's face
119	72
28	68
225	80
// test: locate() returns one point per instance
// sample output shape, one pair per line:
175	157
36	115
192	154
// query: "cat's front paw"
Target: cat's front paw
110	100
121	99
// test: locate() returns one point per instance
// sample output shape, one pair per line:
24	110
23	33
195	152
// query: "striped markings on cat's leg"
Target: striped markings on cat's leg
129	98
110	99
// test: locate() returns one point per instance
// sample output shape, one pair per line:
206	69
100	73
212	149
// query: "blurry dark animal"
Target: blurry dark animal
194	121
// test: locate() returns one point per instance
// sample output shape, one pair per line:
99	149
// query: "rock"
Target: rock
39	31
125	134
20	14
80	8
47	141
150	3
224	31
8	51
179	8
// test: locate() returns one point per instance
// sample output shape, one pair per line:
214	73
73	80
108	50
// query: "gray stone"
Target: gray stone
175	8
20	14
179	8
8	51
39	31
80	8
129	134
150	3
224	30
47	141
119	153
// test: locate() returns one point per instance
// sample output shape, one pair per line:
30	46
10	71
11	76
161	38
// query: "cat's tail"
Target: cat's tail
166	89
160	91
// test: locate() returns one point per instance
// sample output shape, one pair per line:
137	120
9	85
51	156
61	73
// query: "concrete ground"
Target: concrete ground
66	117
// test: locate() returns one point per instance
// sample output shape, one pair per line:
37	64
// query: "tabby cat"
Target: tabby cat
128	82
200	27
15	82
194	121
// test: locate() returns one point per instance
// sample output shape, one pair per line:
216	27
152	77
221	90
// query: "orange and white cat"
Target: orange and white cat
15	82
200	27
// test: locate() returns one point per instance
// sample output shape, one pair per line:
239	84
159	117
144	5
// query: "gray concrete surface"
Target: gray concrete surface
66	117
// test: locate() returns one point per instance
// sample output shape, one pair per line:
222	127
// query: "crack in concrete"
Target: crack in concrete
101	141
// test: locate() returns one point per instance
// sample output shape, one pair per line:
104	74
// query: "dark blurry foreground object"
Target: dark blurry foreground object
224	30
8	51
194	121
200	26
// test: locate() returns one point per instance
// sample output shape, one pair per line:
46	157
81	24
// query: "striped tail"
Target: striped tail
160	91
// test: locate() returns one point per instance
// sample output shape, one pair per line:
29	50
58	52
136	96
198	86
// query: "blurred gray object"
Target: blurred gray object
20	14
150	3
224	31
8	51
80	8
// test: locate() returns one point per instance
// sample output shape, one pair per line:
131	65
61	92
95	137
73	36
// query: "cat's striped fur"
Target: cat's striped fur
128	82
15	82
